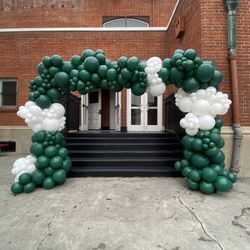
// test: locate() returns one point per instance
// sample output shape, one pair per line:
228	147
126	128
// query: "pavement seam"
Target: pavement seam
200	222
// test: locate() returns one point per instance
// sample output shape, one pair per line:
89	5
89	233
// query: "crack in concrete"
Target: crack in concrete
48	232
201	224
236	222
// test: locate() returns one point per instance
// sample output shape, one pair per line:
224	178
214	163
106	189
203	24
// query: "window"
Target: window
125	22
8	92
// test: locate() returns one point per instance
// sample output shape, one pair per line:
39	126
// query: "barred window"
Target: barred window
8	92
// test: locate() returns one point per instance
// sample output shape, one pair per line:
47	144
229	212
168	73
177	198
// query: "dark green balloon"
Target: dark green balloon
122	62
206	188
205	72
17	188
42	161
126	74
190	85
59	176
223	184
87	53
186	171
56	162
84	75
190	54
111	75
208	174
76	61
185	163
217	79
61	79
195	175
175	75
67	67
187	142
219	158
91	64
59	138
38	137
187	154
49	171
200	160
48	183
212	152
63	152
104	84
132	63
46	61
101	58
137	89
54	94
56	61
188	65
164	74
51	151
176	57
24	178
40	68
232	177
219	170
67	164
29	187
197	144
38	176
43	101
192	185
53	70
36	149
102	70
95	78
167	63
178	166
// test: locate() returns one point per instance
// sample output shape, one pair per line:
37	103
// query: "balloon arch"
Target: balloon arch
197	80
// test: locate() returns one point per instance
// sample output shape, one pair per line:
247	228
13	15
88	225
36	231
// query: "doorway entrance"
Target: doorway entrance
100	110
144	113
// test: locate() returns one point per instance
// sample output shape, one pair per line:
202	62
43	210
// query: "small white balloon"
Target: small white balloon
157	89
206	122
185	105
200	107
191	132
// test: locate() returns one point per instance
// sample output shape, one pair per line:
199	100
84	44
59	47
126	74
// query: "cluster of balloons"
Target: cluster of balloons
49	119
203	164
46	167
202	106
198	81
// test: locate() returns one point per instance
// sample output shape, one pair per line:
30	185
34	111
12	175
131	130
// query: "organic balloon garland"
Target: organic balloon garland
198	81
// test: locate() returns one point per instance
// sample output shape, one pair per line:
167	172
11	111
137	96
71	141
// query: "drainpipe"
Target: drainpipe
230	6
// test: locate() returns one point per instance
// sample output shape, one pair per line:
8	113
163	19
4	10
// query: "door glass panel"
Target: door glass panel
135	101
93	97
135	117
152	101
152	117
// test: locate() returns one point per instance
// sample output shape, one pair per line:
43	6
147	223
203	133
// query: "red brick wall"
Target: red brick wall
76	13
23	51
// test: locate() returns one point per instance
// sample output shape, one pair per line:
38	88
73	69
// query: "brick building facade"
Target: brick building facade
205	29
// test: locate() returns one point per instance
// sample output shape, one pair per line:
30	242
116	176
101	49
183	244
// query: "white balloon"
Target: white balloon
191	132
154	59
201	94
216	109
185	105
157	89
35	110
200	107
50	124
206	122
58	109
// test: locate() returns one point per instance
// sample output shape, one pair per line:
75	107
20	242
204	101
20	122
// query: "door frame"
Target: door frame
144	127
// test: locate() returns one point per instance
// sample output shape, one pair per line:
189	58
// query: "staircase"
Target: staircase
123	154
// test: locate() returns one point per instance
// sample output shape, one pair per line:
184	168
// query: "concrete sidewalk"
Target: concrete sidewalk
122	214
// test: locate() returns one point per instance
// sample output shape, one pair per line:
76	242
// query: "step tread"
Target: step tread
154	159
126	151
122	143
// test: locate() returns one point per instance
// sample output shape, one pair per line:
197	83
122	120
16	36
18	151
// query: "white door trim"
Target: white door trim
84	112
98	125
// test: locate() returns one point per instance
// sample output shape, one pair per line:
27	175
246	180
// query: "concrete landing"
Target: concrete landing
122	214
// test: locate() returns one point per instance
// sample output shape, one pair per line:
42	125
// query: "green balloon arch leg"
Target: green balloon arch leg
198	96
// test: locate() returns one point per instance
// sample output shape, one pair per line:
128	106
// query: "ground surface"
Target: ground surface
122	214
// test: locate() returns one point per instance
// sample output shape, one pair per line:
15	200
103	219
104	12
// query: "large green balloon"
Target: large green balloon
48	183
126	74
84	75
51	151
200	160
29	187
54	94
187	154
102	70
76	61
137	89
87	53
36	149
192	185
61	79
167	63
46	61
63	152
190	85
175	75
122	62
42	161
186	171
95	78
205	72
56	162
217	79
67	164
197	144
59	138
208	174
132	63
212	152
17	188
59	176
195	175
38	137
219	170
164	74
232	177
38	176
101	58
111	75
91	64
56	61
187	142
206	188
24	178
190	54
67	67
219	158
43	101
223	184
49	171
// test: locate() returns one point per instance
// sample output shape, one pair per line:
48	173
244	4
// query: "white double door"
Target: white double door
144	113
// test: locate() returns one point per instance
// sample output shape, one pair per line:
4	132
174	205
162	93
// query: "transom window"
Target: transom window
8	92
125	22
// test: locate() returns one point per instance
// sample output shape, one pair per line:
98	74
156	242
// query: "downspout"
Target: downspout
230	6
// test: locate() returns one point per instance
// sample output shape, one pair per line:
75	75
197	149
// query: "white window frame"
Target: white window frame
125	19
1	92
